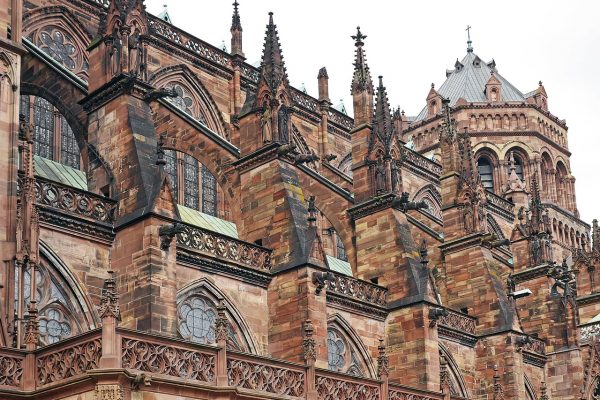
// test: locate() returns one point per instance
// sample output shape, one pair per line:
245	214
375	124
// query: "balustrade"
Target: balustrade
357	289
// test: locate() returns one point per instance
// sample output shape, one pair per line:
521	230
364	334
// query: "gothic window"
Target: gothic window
190	179
53	137
171	170
69	150
43	132
193	184
346	165
183	101
59	313
486	170
342	356
197	320
341	251
209	192
432	198
197	316
455	380
59	46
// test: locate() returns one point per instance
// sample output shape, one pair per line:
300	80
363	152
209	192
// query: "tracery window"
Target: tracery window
185	102
486	172
341	355
193	184
56	308
340	250
197	316
190	177
53	137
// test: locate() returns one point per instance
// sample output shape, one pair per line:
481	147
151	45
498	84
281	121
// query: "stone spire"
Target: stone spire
272	67
536	208
595	236
361	81
383	128
236	31
362	84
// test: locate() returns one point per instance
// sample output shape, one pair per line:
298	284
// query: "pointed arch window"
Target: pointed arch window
171	170
69	150
342	354
340	249
486	172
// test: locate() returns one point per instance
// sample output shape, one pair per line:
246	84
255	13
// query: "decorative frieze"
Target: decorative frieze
109	392
11	369
458	321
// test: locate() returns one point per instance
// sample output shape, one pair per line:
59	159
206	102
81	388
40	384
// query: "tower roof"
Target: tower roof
467	81
272	67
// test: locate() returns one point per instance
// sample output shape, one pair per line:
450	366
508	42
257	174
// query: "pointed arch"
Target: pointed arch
431	196
346	351
200	298
193	97
457	383
301	146
58	32
345	166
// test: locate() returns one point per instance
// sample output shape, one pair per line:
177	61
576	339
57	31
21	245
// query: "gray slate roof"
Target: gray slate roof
468	81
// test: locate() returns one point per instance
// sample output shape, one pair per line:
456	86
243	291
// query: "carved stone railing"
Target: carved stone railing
182	38
535	345
225	248
68	359
421	162
357	289
459	322
75	201
340	119
164	358
505	207
11	369
399	392
249	372
250	73
589	331
332	386
305	101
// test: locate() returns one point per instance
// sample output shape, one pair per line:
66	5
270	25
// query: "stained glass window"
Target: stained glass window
197	322
171	170
341	251
53	325
190	178
336	350
485	170
209	192
43	133
69	150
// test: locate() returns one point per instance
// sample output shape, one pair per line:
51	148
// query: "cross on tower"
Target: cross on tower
469	46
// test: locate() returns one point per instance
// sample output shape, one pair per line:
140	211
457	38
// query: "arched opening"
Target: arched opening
561	184
433	199
197	312
456	381
345	166
345	351
486	172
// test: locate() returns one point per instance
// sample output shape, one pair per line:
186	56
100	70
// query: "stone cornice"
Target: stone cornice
221	267
588	299
356	306
257	158
436	235
531	358
96	231
567	215
117	86
457	336
531	273
465	242
371	206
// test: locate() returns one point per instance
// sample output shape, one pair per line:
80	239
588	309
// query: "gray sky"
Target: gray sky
411	43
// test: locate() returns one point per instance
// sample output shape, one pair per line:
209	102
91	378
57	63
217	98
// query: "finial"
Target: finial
221	323
380	81
469	43
383	363
358	38
323	73
540	83
432	85
309	350
271	18
236	23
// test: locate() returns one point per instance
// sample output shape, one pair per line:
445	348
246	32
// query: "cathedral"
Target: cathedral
179	224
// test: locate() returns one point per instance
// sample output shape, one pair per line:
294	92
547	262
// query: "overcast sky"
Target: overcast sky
412	43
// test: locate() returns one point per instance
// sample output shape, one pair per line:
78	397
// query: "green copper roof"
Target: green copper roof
208	222
340	266
51	170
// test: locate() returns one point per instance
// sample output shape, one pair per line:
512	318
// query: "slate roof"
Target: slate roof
337	265
467	80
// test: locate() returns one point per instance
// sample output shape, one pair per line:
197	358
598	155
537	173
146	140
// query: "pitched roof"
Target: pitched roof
60	173
208	222
467	81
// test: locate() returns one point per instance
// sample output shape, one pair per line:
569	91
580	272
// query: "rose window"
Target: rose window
58	46
197	321
182	101
336	349
53	326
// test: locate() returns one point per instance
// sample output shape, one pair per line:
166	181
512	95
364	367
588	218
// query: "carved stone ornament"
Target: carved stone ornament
308	343
109	392
109	302
383	364
221	323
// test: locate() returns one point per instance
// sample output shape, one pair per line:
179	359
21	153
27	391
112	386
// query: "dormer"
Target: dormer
477	62
493	89
434	102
